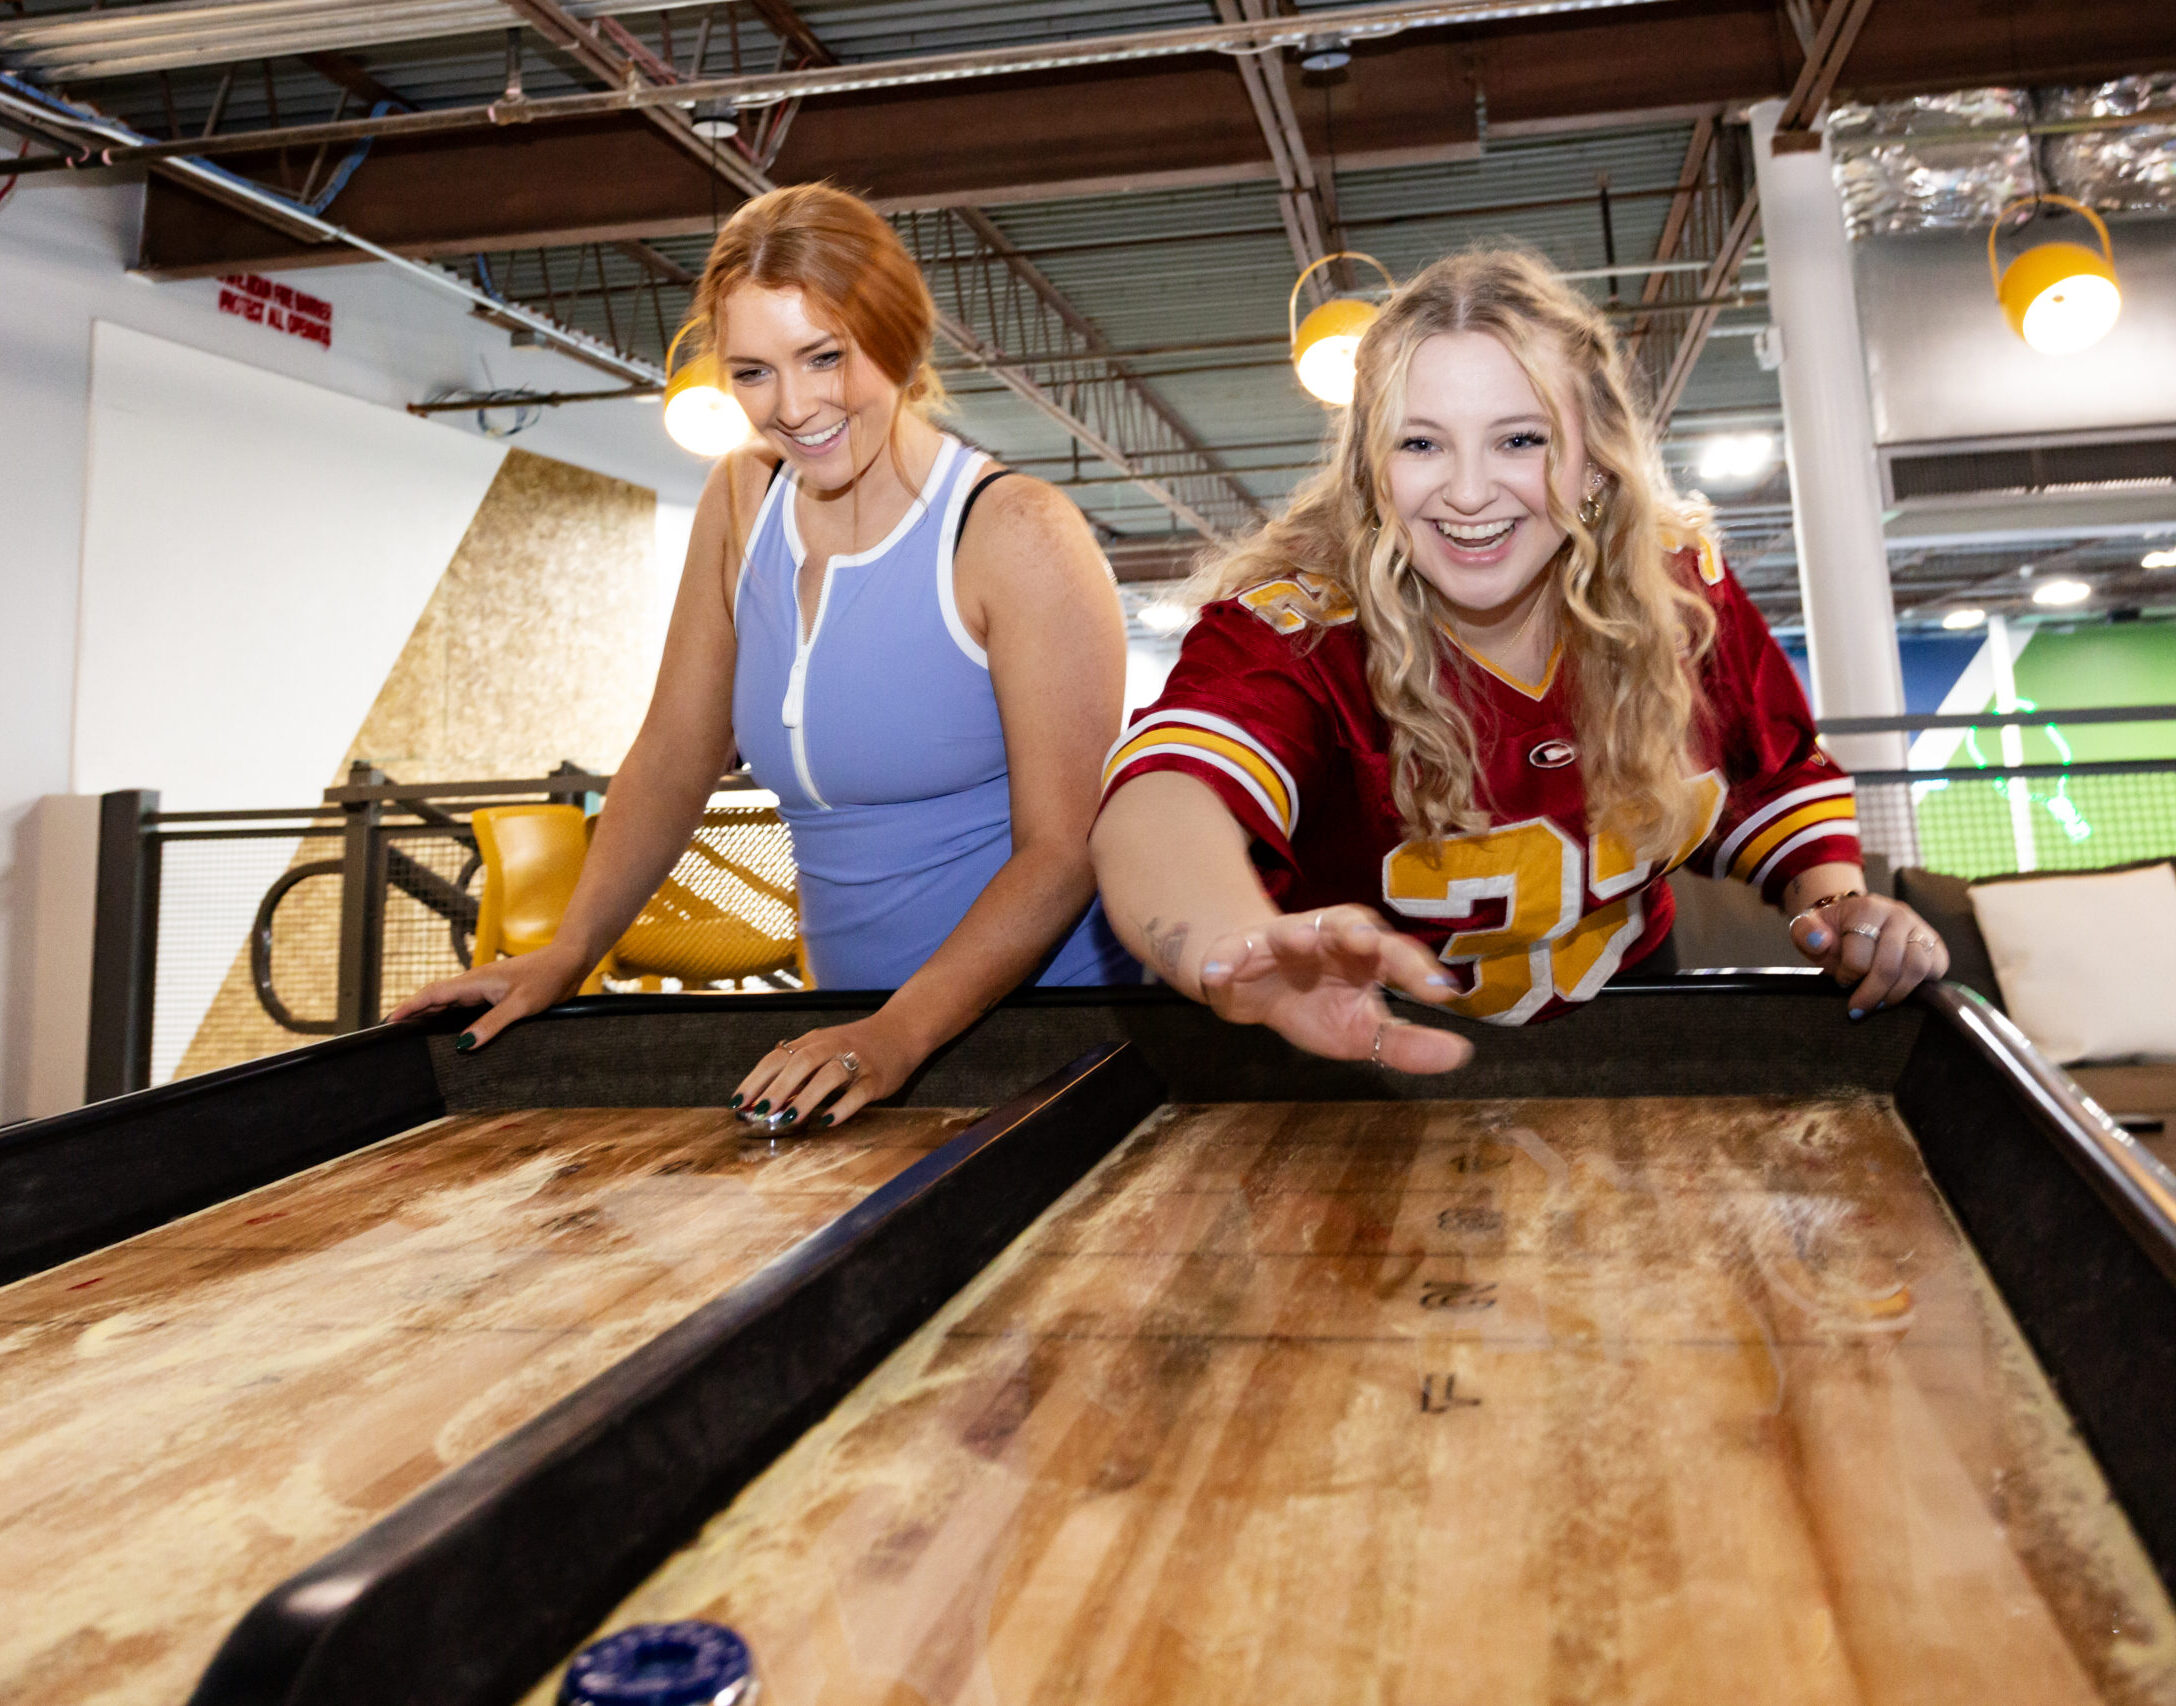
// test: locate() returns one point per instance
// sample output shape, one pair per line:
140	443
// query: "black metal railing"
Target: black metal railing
226	935
223	936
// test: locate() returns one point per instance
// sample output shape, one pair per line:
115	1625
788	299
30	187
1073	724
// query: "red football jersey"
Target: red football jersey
1269	705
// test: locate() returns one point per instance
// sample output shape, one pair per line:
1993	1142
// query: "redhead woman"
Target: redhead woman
1490	678
923	660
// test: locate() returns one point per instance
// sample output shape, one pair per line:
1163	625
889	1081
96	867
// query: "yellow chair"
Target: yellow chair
727	908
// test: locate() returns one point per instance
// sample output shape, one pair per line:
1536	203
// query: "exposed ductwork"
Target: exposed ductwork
1951	162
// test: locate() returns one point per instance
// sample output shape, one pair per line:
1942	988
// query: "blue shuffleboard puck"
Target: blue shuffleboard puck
662	1664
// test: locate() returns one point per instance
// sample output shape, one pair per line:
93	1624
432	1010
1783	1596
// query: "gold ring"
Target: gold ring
782	1048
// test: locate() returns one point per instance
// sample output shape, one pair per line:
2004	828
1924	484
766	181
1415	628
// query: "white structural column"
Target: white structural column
1843	563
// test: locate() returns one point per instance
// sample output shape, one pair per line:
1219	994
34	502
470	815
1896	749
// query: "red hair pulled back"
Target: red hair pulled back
847	260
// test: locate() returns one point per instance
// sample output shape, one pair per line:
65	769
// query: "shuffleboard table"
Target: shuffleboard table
1699	1346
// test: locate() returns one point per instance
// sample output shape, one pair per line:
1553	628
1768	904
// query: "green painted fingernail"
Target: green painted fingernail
827	1119
735	1101
464	1042
789	1116
762	1107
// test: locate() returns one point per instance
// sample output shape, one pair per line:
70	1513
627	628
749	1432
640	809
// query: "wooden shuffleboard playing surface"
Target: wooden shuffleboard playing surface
196	1413
1669	1401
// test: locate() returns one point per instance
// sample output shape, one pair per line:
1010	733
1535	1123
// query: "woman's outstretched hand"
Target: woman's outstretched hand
1316	979
513	989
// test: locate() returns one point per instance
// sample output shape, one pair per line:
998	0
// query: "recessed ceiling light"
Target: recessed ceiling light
1964	619
1164	616
2061	592
2158	560
1737	458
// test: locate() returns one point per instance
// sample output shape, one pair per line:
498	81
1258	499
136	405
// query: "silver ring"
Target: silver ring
1872	931
852	1062
1375	1049
1318	928
1923	939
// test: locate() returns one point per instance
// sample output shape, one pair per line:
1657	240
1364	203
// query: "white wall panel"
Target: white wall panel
255	552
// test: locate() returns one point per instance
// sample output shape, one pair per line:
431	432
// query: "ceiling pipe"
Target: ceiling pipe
24	105
814	82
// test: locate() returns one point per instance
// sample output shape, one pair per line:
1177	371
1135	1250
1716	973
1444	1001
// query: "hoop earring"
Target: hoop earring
1591	511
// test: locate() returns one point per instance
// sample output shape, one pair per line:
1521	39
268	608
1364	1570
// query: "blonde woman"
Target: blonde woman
1489	677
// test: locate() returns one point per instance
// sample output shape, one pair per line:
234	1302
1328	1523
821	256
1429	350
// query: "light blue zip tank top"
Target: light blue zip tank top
880	736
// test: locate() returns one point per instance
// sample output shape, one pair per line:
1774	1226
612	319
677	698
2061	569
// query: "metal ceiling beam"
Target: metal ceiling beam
614	64
1833	40
1299	201
86	46
860	77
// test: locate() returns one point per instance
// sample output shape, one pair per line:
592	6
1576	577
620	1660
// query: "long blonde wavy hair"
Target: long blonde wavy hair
1633	628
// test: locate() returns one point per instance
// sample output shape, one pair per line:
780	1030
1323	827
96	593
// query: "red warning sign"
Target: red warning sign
279	306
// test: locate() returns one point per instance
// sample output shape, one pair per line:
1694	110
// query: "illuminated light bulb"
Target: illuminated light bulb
1737	458
2059	297
2061	592
2158	560
700	416
1965	619
1163	616
2072	314
1326	352
1326	345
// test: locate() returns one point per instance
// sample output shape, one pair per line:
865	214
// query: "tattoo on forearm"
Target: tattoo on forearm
1166	946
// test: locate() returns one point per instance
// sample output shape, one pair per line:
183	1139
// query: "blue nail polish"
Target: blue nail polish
1856	1013
464	1042
1436	980
1215	968
1816	938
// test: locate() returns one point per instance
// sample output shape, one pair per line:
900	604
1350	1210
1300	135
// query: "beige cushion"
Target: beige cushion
2087	964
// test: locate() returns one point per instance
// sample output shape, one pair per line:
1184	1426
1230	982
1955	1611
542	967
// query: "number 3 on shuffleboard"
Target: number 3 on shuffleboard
1548	943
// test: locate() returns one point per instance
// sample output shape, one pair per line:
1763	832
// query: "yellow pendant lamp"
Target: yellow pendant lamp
1326	345
700	414
2060	297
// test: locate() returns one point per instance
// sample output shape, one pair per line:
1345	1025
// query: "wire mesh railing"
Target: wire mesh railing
243	933
1991	793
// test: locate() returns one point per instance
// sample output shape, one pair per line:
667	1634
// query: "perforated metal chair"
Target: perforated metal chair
726	910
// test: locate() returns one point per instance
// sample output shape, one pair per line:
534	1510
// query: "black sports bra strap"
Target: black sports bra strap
966	509
777	468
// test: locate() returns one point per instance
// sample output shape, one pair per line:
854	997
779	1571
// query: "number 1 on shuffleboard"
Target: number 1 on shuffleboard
1439	1394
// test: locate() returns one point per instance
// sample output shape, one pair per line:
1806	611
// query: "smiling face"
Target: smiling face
823	404
1469	475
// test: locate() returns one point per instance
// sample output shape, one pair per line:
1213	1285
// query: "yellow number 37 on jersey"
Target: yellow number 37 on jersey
1549	943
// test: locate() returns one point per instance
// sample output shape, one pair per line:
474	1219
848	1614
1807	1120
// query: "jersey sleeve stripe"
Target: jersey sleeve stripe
1837	831
1757	852
1249	779
1205	732
1726	857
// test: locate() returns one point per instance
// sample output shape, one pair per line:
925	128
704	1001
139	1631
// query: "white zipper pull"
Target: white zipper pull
796	690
